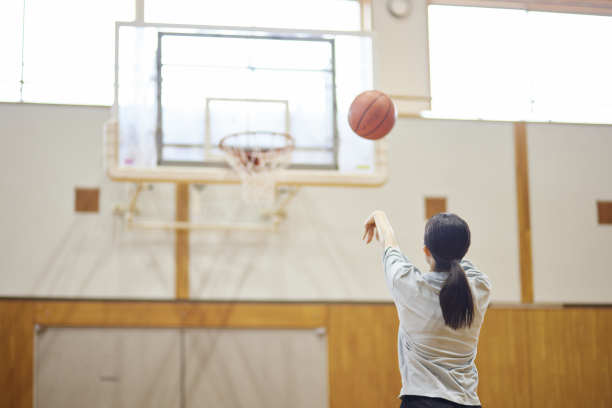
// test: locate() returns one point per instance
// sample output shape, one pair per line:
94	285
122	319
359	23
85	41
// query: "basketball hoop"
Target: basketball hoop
257	156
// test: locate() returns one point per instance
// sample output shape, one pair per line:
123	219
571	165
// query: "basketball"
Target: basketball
372	115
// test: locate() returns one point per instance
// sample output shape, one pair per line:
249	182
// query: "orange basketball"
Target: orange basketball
372	115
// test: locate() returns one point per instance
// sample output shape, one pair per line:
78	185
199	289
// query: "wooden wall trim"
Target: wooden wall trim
179	314
597	7
524	218
181	243
17	351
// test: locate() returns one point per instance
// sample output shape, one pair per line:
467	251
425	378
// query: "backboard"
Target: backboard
180	89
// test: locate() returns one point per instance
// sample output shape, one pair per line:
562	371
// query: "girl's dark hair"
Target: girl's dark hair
448	238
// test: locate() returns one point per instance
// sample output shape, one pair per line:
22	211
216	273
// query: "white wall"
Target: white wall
401	56
47	248
317	255
569	170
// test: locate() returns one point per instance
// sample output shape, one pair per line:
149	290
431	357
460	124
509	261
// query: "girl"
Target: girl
440	312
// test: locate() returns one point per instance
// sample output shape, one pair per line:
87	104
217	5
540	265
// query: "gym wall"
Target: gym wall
52	251
401	56
569	172
530	351
49	250
317	255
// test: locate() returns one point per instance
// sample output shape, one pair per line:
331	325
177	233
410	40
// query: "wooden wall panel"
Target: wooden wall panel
603	350
179	314
362	349
569	349
17	354
527	357
503	359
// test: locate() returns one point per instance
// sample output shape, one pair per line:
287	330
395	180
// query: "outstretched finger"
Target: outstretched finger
370	235
366	231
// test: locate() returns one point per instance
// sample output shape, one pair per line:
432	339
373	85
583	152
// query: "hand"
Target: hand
370	229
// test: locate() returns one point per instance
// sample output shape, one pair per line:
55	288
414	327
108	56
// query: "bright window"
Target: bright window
504	64
572	67
11	19
68	50
68	45
294	14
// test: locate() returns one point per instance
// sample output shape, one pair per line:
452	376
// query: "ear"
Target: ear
426	250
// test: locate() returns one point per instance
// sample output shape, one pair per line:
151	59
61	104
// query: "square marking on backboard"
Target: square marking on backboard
86	199
434	205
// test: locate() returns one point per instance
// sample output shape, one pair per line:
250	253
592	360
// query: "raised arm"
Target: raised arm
378	225
402	277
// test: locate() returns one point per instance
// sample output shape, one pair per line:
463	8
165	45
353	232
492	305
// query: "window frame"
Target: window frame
159	131
599	8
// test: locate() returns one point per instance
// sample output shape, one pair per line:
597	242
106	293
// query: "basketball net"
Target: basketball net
257	157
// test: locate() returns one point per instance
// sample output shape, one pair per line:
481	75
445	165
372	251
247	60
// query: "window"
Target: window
572	66
505	64
11	24
68	50
68	45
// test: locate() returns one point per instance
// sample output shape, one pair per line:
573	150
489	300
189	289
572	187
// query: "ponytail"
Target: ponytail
447	236
456	298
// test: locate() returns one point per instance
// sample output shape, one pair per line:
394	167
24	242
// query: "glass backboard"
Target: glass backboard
180	89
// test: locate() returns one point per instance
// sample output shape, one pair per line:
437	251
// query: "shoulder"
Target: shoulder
396	263
401	274
479	281
475	274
